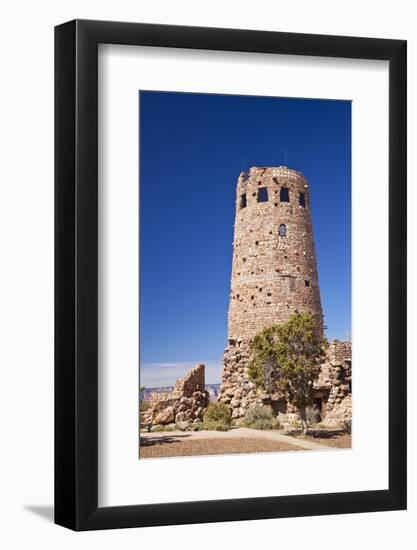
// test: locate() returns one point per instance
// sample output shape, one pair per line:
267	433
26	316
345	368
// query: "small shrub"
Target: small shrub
144	406
216	417
296	424
347	425
157	428
313	416
214	425
170	428
260	418
218	413
163	428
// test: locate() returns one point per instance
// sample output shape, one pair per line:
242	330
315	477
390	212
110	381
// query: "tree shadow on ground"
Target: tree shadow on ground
319	434
161	440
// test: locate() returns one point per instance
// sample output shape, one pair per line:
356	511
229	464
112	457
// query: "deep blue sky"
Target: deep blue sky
192	149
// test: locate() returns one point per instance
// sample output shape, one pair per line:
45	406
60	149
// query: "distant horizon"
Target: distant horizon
157	375
192	149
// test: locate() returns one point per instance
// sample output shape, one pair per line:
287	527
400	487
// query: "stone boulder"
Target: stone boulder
184	405
166	416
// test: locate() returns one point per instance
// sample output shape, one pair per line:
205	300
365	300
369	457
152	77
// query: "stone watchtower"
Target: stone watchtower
274	271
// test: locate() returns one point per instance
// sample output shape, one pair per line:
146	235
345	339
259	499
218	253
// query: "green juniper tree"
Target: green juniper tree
287	358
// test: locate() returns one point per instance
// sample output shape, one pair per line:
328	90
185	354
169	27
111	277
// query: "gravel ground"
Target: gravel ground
335	439
343	441
176	446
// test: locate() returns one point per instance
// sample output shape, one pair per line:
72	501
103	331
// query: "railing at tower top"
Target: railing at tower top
246	174
245	177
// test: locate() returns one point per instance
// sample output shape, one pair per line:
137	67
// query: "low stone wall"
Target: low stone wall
336	379
194	381
333	388
183	406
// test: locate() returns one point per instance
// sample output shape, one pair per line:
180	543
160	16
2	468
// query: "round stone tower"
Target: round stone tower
274	272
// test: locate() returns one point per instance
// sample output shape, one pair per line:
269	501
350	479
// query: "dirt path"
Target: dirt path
278	436
237	440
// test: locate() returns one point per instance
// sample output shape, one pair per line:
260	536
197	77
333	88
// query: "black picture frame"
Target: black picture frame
76	273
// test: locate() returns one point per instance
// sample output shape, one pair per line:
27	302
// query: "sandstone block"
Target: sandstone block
166	416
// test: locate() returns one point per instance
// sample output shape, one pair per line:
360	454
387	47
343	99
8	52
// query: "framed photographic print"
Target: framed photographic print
230	338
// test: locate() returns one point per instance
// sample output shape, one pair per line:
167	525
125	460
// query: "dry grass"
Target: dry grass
180	446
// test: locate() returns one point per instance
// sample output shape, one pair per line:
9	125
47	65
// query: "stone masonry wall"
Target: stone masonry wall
274	271
335	383
183	406
333	388
193	382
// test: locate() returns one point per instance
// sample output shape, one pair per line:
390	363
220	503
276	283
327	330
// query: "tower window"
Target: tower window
284	194
307	282
302	200
262	194
282	230
243	201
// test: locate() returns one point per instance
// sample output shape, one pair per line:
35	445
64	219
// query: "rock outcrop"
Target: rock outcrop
183	406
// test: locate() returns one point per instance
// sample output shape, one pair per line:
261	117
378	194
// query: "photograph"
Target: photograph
245	274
